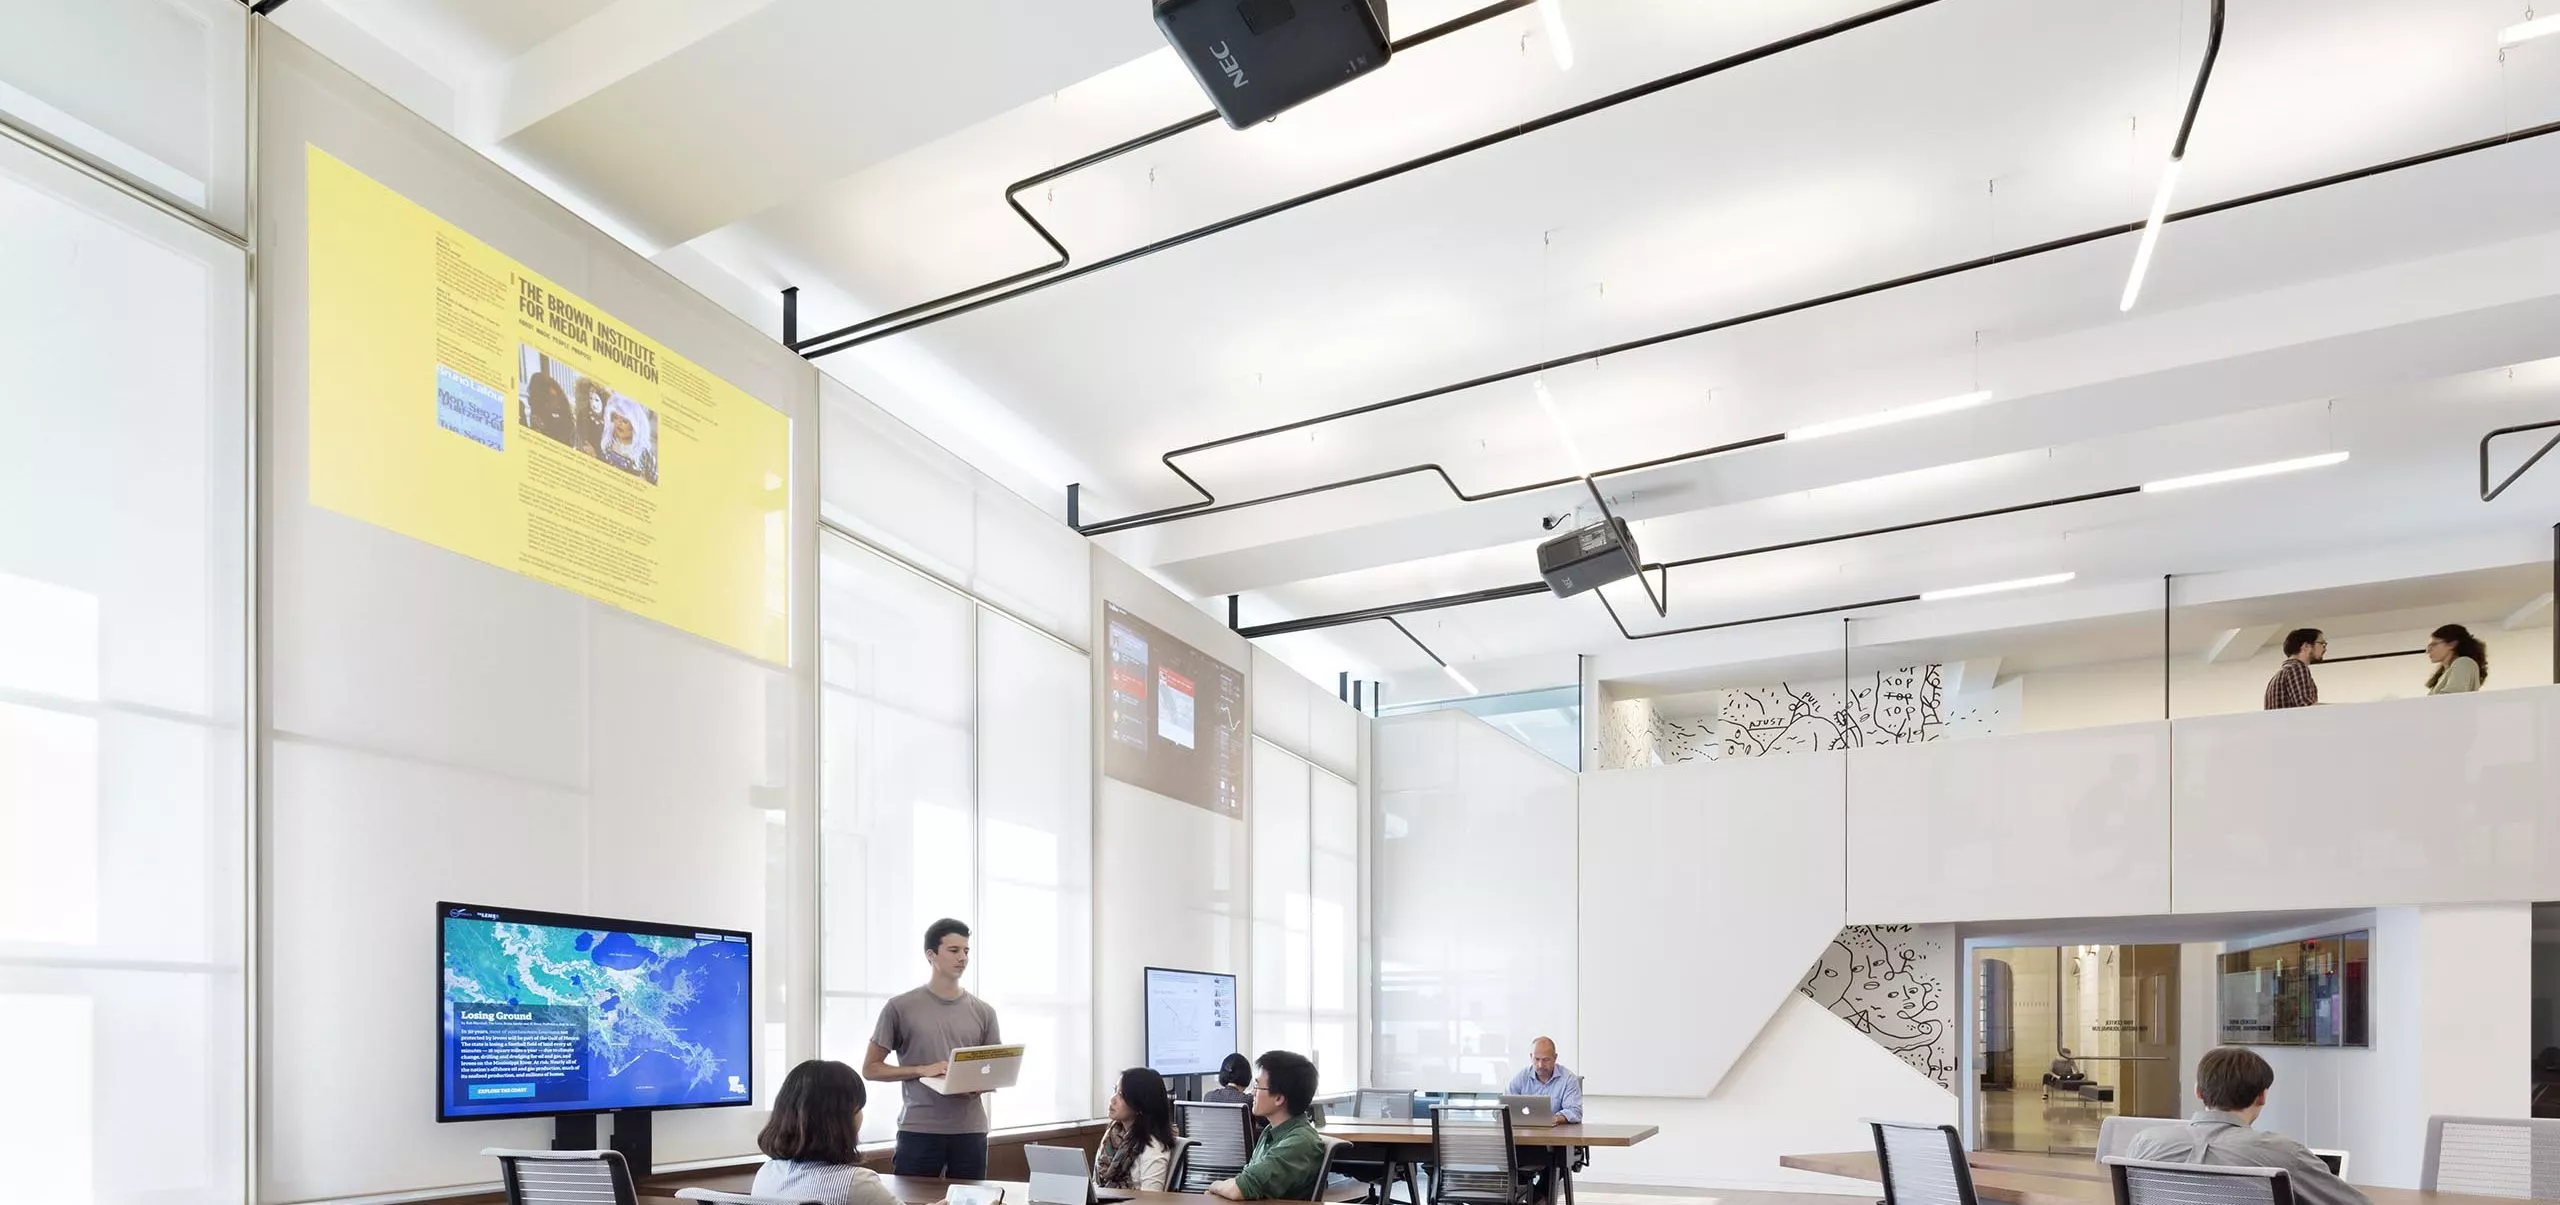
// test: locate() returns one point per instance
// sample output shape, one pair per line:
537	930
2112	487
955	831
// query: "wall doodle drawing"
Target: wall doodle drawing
1891	982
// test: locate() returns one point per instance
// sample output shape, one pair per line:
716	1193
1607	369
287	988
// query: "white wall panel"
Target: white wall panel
1722	881
2434	800
154	90
1280	704
362	848
904	493
2071	823
1170	879
442	728
1474	897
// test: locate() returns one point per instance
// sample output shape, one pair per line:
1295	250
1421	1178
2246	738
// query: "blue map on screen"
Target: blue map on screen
546	1017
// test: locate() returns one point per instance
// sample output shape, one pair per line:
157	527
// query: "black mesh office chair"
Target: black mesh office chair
1221	1142
1922	1164
565	1177
2144	1182
1474	1159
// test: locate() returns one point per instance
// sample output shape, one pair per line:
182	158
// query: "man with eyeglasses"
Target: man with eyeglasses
1286	1159
2293	685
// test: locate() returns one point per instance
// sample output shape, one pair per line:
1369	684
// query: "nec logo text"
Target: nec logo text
1227	63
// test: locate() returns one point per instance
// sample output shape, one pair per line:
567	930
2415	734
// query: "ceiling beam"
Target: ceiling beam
2532	614
2236	645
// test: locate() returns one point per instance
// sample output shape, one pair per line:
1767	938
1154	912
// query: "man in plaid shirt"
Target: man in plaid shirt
2293	685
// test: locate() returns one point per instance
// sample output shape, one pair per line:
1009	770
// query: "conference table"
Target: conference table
2028	1178
1393	1143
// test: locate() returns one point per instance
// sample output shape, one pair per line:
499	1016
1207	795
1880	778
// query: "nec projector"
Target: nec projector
1594	556
1257	58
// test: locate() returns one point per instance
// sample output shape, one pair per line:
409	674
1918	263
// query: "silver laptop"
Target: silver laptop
1058	1177
978	1069
1530	1112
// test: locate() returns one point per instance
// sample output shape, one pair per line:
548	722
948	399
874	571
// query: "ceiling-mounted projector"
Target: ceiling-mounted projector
1589	558
1258	58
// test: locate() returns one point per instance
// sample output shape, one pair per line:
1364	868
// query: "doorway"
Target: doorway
2068	1036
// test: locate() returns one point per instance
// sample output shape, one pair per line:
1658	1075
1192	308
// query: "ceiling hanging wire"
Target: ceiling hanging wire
1208	503
1058	271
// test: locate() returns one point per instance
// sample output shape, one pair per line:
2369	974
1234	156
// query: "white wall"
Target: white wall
1172	881
2437	800
1673	861
1803	1085
438	728
2452	1033
1473	902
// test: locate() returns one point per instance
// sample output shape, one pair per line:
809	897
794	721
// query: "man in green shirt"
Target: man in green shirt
1287	1160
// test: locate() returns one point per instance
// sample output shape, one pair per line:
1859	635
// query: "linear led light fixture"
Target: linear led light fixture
2321	461
1899	414
1524	589
1559	41
1445	667
2540	27
2023	583
2169	174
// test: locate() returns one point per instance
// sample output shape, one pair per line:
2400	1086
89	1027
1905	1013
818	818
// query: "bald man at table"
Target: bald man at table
1546	1077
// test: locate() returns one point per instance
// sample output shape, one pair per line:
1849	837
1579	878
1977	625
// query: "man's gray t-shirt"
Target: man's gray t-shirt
923	1029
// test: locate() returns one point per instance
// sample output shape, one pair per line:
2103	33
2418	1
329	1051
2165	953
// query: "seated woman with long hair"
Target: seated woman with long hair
1137	1150
812	1142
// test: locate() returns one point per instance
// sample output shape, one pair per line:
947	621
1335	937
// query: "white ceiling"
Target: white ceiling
860	151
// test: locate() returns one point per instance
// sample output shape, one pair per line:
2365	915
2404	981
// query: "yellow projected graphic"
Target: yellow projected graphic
459	399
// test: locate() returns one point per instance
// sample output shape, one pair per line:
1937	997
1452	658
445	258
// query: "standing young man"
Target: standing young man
2293	685
1289	1156
940	1136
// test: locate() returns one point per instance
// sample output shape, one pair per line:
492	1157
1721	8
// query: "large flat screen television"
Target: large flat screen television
1191	1021
1176	716
544	1014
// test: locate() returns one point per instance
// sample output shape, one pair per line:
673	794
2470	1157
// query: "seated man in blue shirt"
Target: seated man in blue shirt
1548	1078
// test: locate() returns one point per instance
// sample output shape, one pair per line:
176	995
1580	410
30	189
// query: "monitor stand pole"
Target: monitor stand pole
576	1133
631	1136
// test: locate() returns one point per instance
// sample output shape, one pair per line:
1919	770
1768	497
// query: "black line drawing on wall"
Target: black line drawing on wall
1891	983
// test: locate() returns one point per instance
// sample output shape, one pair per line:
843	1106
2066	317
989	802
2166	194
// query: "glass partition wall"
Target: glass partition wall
2068	1036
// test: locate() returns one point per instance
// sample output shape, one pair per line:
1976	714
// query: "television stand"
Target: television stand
576	1133
631	1136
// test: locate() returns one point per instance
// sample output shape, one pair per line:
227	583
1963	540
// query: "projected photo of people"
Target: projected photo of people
543	388
630	438
558	401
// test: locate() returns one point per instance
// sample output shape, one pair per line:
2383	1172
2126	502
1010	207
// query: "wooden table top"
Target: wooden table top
918	1190
2019	1178
1376	1130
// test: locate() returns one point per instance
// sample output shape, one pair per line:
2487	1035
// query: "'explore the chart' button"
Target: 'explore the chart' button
499	1091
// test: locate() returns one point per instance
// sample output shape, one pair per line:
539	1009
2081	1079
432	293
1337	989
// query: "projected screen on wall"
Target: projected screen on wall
544	1014
1191	1021
1177	717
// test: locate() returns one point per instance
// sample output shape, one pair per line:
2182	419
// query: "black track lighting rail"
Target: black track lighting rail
2489	493
1209	504
1315	622
1057	273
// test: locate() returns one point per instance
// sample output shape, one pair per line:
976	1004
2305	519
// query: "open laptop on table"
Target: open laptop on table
978	1069
1058	1177
1530	1112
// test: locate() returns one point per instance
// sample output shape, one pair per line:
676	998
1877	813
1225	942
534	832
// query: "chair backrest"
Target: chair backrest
564	1177
1383	1104
1472	1154
739	1198
1221	1142
2116	1134
1181	1161
2148	1182
1922	1164
2492	1156
1324	1166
